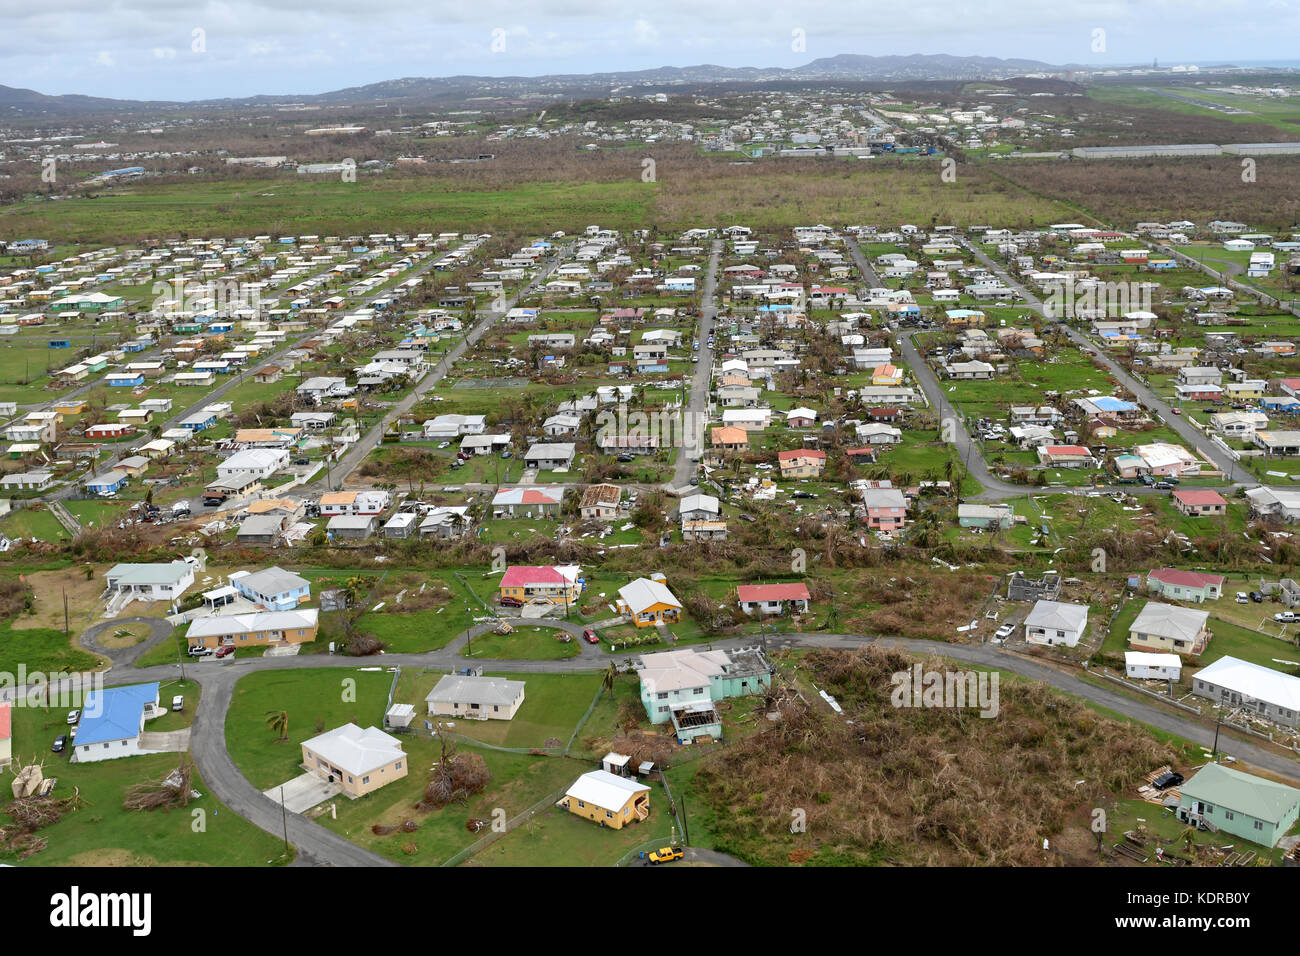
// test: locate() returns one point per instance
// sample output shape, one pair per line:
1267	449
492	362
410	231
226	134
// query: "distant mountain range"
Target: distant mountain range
847	67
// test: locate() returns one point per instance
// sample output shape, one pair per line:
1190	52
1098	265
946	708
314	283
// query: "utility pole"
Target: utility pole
284	820
1218	722
180	657
66	627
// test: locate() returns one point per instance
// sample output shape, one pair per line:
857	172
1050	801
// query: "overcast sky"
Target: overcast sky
162	49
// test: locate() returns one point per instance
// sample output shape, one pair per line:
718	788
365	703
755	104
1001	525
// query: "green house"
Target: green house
1250	807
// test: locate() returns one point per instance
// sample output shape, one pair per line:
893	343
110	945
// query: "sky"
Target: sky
163	49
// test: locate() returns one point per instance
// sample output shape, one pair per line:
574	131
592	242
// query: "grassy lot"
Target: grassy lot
556	837
33	523
316	700
527	643
553	705
410	632
102	833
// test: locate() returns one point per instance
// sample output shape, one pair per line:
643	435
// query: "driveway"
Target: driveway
172	741
302	792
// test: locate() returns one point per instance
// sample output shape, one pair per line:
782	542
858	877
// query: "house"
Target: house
1199	502
682	687
112	720
445	523
150	582
607	799
358	761
370	502
557	456
1192	586
1163	459
1000	515
1280	444
800	418
885	509
801	463
648	603
1142	665
401	525
699	507
257	629
453	426
1280	503
1261	691
109	431
1055	622
274	588
264	529
729	439
561	584
1066	456
252	464
1164	627
1242	804
475	698
351	527
773	598
600	501
541	500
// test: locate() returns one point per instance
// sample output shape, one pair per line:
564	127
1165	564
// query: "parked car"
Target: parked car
1005	631
1286	617
178	702
225	650
666	854
74	716
1241	598
60	742
198	650
510	602
625	458
590	636
1257	597
1167	780
1162	486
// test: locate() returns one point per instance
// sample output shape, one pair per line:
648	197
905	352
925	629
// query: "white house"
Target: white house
1144	665
1055	622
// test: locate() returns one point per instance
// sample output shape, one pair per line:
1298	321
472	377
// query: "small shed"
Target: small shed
400	715
616	763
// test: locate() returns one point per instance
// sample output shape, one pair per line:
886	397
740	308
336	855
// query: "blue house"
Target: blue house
60	344
108	483
198	421
134	345
112	720
124	379
274	588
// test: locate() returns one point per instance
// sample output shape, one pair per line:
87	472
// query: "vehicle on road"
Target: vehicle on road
666	854
590	636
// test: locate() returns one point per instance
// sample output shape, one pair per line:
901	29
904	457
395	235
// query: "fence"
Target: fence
1150	693
583	721
478	846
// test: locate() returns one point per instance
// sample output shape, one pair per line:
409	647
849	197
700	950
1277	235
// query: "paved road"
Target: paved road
695	415
1147	397
319	845
232	381
340	470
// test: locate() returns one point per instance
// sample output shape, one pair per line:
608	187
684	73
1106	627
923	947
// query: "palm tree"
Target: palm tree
607	681
278	720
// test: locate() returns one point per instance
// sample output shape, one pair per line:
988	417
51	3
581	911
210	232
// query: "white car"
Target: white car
1005	631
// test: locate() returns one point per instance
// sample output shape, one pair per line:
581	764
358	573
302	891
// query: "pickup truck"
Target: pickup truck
666	854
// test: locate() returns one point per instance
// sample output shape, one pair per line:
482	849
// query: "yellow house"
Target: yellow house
559	583
607	799
358	761
73	406
648	603
254	630
1253	388
887	374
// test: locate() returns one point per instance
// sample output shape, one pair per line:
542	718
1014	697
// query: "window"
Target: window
609	815
1209	808
365	779
581	804
398	765
1229	815
1259	824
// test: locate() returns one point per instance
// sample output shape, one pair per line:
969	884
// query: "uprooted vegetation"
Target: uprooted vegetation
914	786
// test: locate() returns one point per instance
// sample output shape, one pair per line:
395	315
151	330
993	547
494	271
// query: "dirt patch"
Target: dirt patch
112	856
48	589
120	637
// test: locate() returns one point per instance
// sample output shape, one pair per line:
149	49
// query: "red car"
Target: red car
225	650
590	636
510	602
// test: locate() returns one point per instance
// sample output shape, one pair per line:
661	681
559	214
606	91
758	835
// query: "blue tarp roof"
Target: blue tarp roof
1110	404
114	713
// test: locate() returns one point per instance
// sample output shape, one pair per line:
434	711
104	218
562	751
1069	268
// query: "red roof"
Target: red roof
1065	450
1200	497
1187	579
772	592
521	576
800	453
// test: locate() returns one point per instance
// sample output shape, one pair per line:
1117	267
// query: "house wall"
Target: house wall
351	785
444	708
108	750
612	817
296	635
1270	711
1242	824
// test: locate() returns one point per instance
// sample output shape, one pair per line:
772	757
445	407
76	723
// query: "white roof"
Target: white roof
606	790
1252	680
1058	616
1166	620
354	750
1148	659
643	593
218	625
